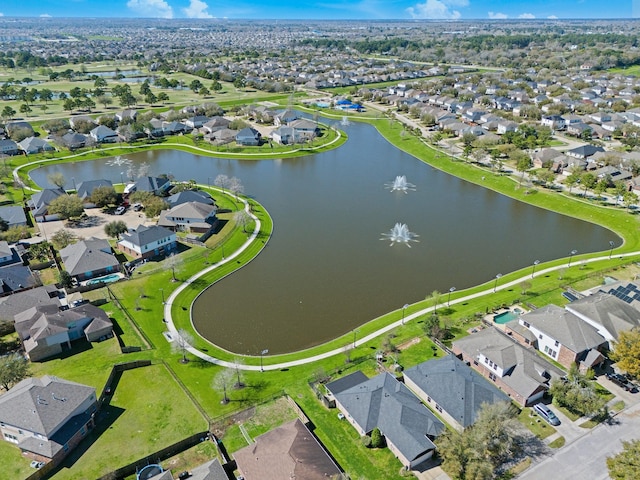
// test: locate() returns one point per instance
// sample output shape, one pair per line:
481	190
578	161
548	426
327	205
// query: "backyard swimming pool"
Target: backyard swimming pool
505	317
114	277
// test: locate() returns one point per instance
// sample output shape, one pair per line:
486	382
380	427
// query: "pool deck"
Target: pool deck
515	309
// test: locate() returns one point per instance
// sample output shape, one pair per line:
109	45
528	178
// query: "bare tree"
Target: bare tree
56	179
242	219
237	363
221	382
181	344
236	187
173	262
222	181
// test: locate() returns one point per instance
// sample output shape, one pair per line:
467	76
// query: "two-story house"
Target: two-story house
47	417
147	242
193	217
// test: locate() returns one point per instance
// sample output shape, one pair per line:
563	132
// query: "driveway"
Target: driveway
93	226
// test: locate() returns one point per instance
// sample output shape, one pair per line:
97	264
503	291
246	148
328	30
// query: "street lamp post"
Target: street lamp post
535	264
355	332
451	290
573	252
122	178
611	244
495	284
262	353
404	307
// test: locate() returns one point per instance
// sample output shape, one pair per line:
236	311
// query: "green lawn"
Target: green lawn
148	411
14	465
537	425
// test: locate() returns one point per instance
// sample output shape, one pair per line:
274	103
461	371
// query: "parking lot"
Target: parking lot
92	226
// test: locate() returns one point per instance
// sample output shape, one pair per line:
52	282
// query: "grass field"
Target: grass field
139	415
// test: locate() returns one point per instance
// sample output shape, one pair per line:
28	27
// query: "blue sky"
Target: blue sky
326	9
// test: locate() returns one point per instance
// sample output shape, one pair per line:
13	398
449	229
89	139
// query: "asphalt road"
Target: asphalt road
585	458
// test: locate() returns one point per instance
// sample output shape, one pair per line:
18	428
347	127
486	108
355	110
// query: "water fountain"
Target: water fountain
118	161
345	122
400	234
400	184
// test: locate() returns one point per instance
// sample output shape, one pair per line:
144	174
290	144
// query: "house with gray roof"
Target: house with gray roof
215	124
45	330
193	217
86	188
47	417
32	145
189	196
39	203
609	314
560	335
385	403
289	451
453	389
518	371
88	259
104	134
284	135
14	216
155	185
18	302
147	241
248	137
73	140
304	129
14	278
8	147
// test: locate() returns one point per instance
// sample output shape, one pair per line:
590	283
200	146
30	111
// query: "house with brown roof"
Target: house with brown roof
289	451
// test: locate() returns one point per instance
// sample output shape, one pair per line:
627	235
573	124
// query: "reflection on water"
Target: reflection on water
325	271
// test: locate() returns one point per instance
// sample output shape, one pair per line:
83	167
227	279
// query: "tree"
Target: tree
242	218
626	464
163	97
8	113
40	251
222	181
104	195
181	343
13	368
577	394
236	187
629	198
69	104
63	238
221	382
56	179
626	352
523	163
65	279
237	364
153	206
67	206
25	108
173	261
588	181
377	440
114	229
572	180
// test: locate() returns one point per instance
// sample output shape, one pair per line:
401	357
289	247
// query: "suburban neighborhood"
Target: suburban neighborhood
105	372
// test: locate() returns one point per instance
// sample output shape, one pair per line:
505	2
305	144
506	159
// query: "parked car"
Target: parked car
120	210
37	464
546	414
622	381
137	207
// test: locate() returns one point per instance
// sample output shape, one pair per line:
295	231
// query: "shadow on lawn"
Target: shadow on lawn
104	421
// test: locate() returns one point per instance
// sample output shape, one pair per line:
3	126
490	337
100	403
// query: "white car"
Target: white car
120	210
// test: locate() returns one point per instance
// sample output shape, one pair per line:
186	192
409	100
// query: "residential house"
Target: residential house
73	140
76	120
19	126
147	242
560	335
223	136
579	129
44	330
9	147
215	124
103	134
289	451
506	126
8	254
47	417
17	277
608	313
86	188
284	135
285	117
453	389
40	201
14	216
248	137
18	302
385	403
554	122
127	115
33	145
197	121
156	185
174	128
584	151
88	259
544	157
518	371
189	196
193	217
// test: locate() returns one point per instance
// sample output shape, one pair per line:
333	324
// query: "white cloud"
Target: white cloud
151	8
437	9
45	15
552	17
1	14
498	15
197	9
527	15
